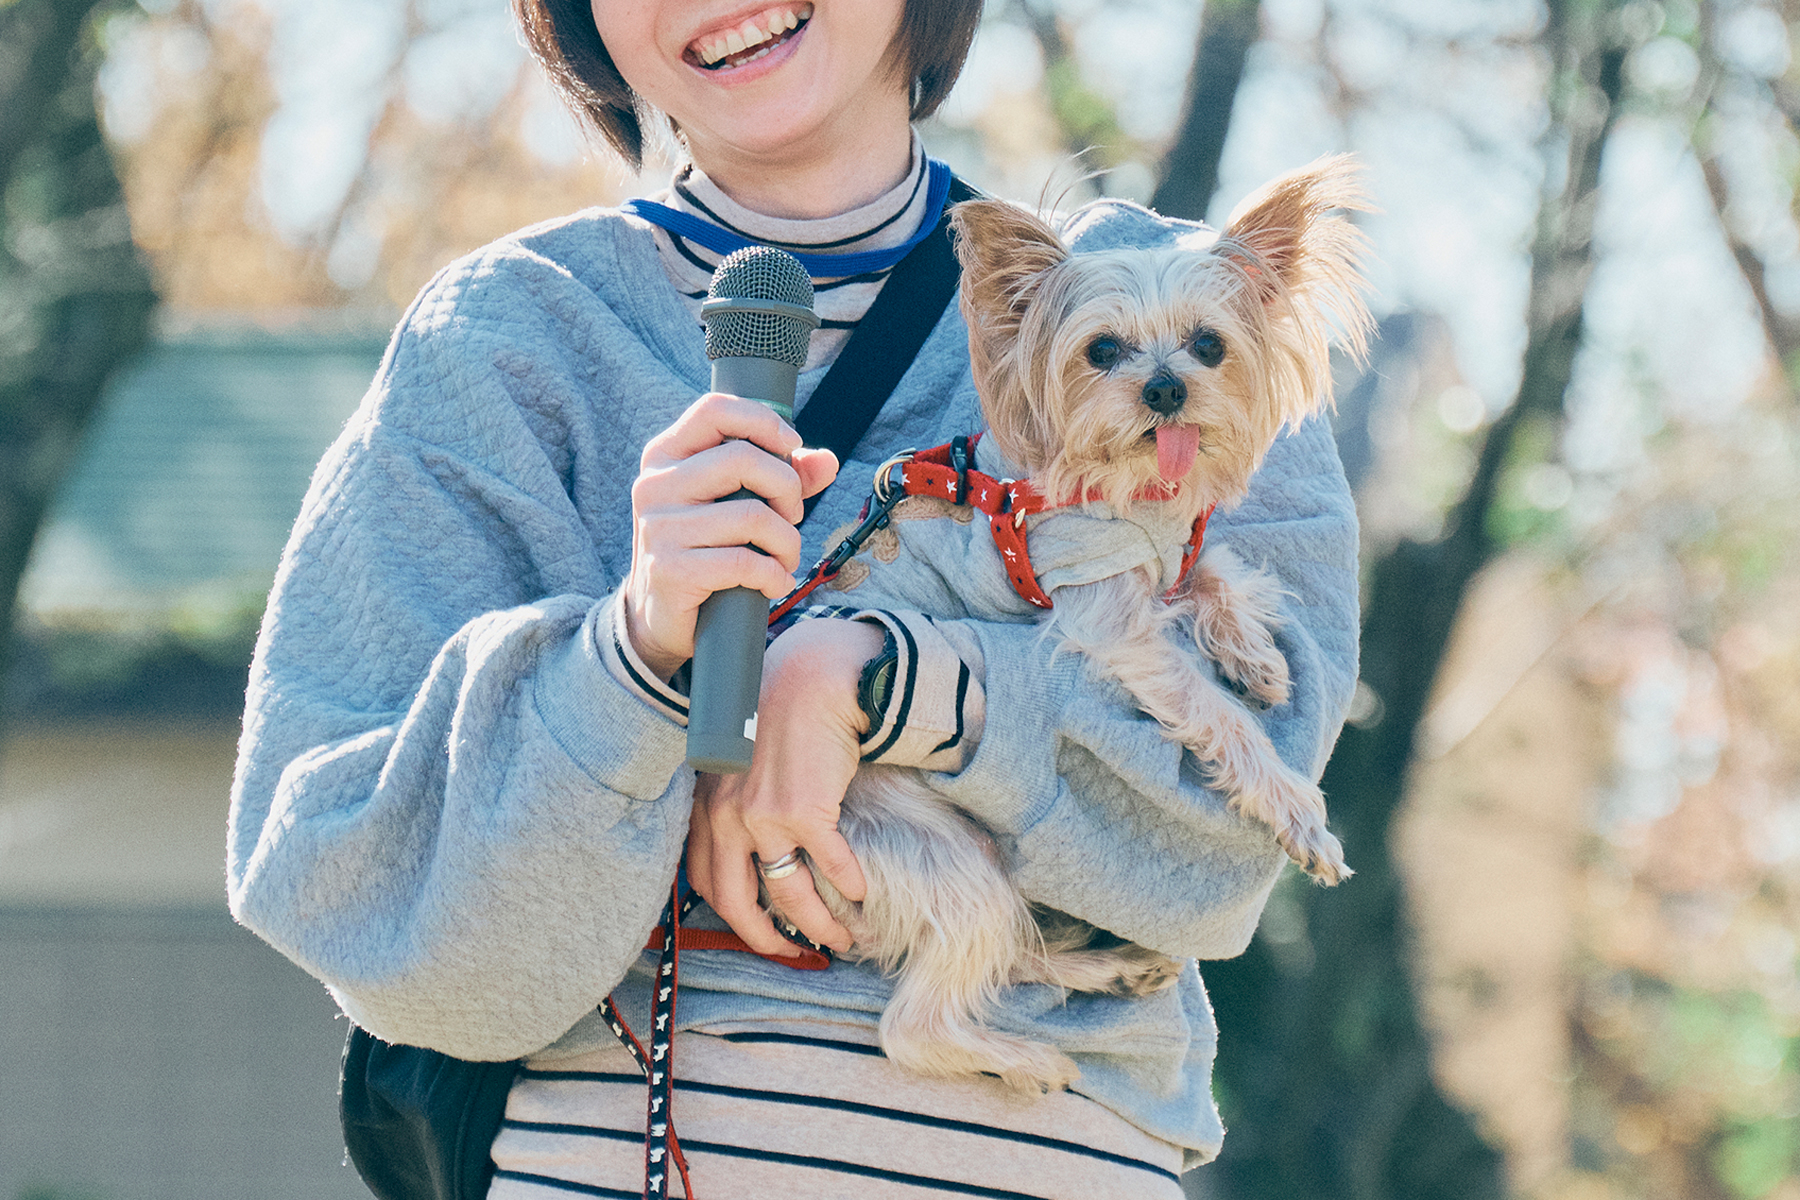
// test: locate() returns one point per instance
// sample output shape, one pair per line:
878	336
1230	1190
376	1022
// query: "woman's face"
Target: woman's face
816	85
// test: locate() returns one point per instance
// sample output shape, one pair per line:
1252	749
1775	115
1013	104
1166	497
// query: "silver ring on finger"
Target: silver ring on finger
782	867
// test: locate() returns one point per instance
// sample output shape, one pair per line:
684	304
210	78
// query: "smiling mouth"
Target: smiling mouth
749	41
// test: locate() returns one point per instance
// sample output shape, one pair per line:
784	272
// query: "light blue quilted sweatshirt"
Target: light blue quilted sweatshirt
450	811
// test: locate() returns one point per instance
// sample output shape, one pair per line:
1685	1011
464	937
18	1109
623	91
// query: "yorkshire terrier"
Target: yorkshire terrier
1138	383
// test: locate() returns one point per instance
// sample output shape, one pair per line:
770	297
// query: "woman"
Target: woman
460	798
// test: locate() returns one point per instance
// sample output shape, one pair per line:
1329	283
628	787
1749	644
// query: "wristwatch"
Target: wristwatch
875	687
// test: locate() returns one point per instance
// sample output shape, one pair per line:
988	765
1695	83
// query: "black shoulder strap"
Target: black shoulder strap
886	341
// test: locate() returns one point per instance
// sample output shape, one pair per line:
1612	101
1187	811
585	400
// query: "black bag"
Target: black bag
420	1125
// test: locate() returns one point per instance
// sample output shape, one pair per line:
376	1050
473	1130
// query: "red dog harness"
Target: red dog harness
948	473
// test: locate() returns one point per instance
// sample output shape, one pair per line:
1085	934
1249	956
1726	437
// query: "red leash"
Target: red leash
948	473
661	1145
723	939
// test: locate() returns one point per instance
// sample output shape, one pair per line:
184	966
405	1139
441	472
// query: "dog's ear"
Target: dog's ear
1300	256
1287	229
1004	251
1282	221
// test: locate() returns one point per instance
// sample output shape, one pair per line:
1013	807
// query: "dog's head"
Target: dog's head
1115	369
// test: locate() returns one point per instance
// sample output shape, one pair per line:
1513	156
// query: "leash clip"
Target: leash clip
890	480
888	491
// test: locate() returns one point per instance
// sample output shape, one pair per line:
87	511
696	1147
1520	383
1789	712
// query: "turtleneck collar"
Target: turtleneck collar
885	222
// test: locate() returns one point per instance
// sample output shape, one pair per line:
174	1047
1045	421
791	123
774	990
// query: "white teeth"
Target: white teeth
748	36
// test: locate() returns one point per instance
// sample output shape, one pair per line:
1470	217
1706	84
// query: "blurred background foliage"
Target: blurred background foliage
1566	967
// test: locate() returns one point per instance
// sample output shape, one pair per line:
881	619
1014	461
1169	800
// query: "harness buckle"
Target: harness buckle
960	461
890	480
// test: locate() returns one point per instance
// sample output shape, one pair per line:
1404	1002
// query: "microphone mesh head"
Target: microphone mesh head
759	273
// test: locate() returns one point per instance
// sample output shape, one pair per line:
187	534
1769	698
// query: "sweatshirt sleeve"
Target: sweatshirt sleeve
936	707
446	806
1115	824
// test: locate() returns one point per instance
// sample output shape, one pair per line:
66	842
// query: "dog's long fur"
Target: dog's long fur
941	912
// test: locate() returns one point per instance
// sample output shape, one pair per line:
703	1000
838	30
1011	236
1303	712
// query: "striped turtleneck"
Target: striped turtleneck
883	223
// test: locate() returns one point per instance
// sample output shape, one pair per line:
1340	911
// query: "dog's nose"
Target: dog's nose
1165	393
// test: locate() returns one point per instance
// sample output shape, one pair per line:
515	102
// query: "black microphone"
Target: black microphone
759	319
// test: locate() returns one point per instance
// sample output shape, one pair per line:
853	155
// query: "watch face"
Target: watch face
877	684
882	686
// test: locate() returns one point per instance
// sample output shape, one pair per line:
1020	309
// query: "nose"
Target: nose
1164	393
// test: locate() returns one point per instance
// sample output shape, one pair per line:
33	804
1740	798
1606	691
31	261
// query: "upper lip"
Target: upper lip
750	29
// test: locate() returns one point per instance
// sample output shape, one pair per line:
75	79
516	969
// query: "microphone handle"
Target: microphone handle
732	626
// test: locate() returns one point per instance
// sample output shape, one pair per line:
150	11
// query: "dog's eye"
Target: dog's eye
1103	352
1208	347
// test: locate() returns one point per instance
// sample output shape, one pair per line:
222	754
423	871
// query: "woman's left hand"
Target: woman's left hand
807	729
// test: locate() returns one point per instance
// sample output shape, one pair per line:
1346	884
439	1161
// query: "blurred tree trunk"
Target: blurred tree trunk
1190	170
1323	1065
75	298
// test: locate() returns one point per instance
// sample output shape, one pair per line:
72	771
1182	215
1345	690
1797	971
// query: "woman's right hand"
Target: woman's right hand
685	547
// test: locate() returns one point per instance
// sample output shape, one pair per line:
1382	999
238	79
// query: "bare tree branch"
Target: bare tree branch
1086	119
364	185
1190	170
1782	331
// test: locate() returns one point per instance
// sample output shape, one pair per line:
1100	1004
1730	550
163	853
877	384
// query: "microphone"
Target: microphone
759	319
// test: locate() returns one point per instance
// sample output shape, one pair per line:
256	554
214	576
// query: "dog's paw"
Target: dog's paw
1294	807
1316	851
1034	1069
1262	677
1236	613
1055	1076
1126	969
1144	971
1024	1066
1249	662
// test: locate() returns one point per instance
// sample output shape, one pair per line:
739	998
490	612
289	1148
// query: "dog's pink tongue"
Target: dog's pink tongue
1176	446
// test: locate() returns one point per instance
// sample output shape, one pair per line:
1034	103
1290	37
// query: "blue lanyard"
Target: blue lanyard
819	266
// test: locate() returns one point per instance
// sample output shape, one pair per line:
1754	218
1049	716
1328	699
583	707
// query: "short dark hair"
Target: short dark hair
929	47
